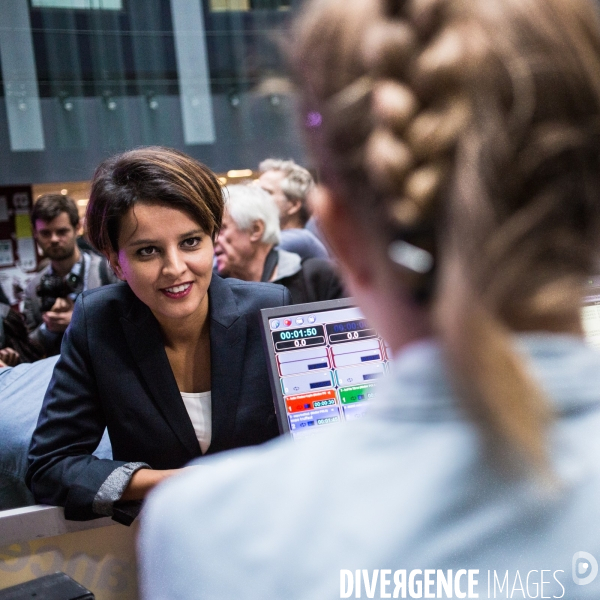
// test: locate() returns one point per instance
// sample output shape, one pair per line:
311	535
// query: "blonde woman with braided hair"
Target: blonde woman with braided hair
458	143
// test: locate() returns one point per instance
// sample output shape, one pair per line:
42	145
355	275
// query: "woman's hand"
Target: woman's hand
145	480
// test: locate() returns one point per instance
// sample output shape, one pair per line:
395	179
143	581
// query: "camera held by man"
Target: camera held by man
52	287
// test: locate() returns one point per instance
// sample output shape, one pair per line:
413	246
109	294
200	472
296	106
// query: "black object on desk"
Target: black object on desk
57	586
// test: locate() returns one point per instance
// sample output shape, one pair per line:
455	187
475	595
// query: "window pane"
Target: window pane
79	4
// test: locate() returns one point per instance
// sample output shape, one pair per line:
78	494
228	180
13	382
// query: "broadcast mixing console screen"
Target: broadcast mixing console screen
325	360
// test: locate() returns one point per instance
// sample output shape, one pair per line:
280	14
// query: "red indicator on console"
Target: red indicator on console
302	402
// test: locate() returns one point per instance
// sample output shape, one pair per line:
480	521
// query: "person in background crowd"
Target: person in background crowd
51	293
15	345
169	360
3	298
8	356
289	185
246	249
457	141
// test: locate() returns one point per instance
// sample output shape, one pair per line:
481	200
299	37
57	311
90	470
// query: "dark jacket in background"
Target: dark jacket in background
13	333
309	280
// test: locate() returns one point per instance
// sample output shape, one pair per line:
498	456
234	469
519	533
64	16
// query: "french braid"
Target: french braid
476	122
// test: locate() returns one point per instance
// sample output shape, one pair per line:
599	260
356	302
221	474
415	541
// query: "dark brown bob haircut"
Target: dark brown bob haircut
151	175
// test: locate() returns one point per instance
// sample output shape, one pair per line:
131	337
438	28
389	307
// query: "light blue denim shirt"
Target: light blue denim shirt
22	390
409	488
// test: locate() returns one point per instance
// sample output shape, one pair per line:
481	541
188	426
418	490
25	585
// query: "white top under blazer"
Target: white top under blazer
199	409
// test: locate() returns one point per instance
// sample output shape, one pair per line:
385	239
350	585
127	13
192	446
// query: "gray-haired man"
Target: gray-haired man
289	185
246	248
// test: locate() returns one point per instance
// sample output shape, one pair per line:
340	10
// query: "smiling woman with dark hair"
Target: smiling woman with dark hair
170	361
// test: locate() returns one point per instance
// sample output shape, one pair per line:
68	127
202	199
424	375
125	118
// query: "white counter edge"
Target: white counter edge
35	522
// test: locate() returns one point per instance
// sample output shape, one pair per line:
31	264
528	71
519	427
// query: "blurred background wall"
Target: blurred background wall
83	79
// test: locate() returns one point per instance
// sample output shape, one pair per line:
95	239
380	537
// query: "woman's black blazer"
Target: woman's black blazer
113	372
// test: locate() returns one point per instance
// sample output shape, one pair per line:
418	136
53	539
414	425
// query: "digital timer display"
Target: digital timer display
349	331
327	420
347	326
294	334
302	337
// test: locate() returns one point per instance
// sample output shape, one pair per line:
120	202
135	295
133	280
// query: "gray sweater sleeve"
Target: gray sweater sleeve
106	501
